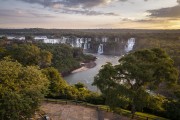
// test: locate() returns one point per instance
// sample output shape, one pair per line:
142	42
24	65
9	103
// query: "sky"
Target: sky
90	14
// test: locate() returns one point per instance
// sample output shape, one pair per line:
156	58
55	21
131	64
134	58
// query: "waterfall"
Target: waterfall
81	42
85	45
78	42
130	44
89	46
100	49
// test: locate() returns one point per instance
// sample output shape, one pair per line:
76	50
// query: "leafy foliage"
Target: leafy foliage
173	109
57	84
65	58
21	89
27	54
135	73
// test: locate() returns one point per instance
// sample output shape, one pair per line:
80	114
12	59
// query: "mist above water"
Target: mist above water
130	44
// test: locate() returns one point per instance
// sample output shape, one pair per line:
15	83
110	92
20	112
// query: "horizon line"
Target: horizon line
93	28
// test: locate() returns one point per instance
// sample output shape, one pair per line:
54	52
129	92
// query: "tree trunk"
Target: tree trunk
133	110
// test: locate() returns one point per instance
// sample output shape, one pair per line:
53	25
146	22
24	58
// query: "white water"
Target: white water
86	45
100	49
89	45
130	44
78	44
53	41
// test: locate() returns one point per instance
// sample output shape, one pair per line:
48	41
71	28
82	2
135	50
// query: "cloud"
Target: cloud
86	12
84	3
72	3
150	23
166	12
74	6
178	1
83	7
42	2
22	13
126	20
149	20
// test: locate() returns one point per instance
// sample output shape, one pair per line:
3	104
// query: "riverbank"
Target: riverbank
87	76
86	63
85	66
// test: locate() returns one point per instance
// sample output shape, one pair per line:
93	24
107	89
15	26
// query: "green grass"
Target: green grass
150	116
138	115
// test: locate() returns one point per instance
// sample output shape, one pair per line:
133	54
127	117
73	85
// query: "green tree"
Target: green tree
57	84
21	90
172	106
27	54
63	59
80	85
135	73
45	59
29	37
66	58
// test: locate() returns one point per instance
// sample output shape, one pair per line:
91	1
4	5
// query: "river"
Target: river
87	76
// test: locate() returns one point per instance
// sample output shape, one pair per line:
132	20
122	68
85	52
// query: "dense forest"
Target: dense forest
81	32
170	42
31	71
34	70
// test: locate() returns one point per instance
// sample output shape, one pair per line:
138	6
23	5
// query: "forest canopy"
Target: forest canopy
127	83
21	90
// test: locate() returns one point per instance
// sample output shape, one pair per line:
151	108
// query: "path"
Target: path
69	112
77	112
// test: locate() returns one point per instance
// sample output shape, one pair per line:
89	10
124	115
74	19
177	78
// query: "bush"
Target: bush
173	110
95	98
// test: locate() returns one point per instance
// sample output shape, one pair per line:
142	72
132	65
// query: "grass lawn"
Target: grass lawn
138	115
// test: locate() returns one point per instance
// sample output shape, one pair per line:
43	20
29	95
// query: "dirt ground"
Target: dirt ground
77	112
69	112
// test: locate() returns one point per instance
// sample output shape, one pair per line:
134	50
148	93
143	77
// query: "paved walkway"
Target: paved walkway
69	112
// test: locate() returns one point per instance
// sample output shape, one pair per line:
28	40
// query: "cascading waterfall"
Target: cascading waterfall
89	45
85	45
81	42
100	49
130	44
72	44
78	43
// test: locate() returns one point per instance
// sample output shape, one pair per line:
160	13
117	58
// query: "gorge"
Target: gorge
105	49
87	76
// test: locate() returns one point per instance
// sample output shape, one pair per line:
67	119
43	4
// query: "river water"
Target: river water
87	76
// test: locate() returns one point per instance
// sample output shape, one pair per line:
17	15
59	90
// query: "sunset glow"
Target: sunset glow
90	14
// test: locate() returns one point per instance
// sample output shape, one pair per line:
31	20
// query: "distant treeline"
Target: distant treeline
82	32
170	42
